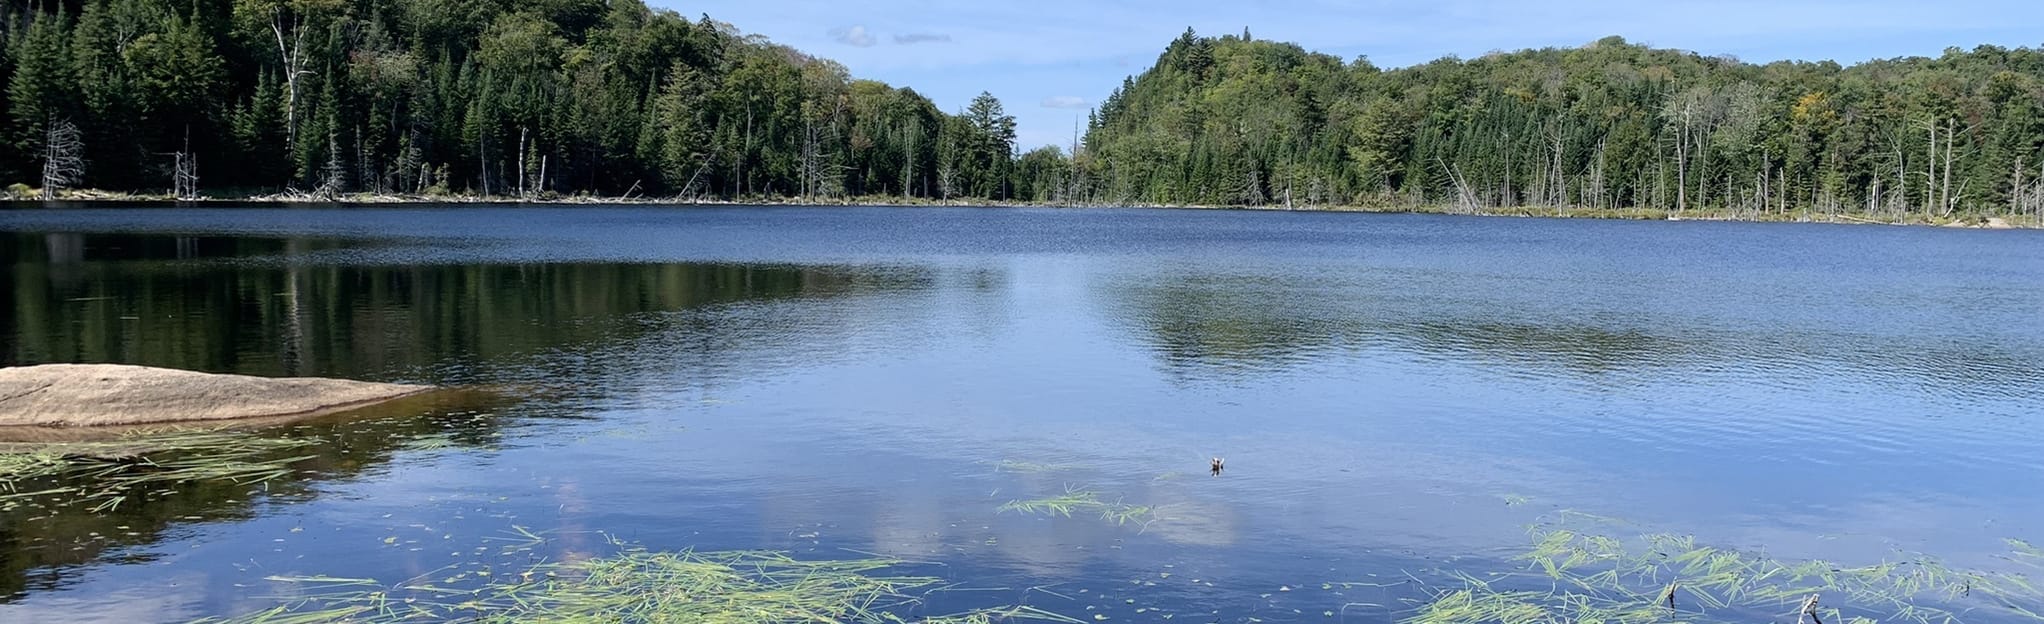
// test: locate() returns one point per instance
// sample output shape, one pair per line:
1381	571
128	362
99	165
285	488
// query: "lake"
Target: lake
1408	405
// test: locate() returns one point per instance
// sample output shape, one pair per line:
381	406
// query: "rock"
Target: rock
75	395
1998	223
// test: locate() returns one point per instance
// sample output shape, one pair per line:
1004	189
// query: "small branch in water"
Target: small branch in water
1808	610
1668	595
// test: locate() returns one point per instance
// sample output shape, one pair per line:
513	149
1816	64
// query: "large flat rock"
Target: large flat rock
73	395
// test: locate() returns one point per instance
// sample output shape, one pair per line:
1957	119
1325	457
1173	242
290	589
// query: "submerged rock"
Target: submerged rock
76	395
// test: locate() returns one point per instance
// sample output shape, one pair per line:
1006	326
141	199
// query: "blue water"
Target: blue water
1397	396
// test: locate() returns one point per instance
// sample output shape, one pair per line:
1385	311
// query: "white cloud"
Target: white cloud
915	38
1064	101
855	36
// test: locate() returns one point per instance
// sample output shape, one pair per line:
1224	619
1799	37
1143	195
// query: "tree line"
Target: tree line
545	98
524	98
1610	125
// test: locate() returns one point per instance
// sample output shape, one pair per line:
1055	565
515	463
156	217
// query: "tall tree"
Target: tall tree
990	147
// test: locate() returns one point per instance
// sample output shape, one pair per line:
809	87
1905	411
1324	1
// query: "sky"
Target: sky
1049	61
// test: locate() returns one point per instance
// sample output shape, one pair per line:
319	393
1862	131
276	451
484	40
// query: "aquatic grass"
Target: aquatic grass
1010	465
109	472
1575	573
434	442
1060	505
1075	499
637	585
16	466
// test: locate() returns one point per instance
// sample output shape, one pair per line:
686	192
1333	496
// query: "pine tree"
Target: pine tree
43	87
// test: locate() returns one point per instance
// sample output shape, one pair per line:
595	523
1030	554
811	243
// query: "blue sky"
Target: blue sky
1051	60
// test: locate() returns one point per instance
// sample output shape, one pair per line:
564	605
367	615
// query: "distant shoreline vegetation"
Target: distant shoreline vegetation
561	99
1575	212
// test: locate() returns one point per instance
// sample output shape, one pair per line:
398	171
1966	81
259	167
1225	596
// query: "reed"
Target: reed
1080	500
106	473
736	587
1570	574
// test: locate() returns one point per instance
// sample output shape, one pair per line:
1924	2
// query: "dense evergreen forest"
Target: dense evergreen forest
524	98
545	98
1610	125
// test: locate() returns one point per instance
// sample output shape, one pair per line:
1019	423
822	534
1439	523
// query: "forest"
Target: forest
541	99
505	98
1608	126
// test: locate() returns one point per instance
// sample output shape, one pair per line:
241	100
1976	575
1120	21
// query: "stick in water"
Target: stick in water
1809	610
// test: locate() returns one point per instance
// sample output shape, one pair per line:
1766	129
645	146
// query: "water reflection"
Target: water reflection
158	301
834	381
547	334
45	539
1222	326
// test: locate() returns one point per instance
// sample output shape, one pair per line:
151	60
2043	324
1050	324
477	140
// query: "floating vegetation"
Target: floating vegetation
434	442
1578	576
108	472
1080	500
743	587
1009	465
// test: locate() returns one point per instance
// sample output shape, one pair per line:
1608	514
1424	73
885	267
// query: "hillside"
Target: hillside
527	98
1610	125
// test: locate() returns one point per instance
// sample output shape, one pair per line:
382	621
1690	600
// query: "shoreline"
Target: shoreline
1967	221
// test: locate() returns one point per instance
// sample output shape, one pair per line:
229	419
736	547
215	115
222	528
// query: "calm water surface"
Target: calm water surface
1397	397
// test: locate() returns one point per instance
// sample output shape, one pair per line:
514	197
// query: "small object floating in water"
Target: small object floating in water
1218	462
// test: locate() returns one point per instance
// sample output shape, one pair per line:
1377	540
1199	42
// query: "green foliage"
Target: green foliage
42	88
1610	125
482	96
614	98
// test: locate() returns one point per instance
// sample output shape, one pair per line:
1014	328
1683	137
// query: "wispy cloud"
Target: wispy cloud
855	36
915	38
1064	101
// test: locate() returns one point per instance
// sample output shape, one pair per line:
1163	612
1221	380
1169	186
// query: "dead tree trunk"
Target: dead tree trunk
1945	196
62	164
522	174
1930	173
184	177
291	53
331	187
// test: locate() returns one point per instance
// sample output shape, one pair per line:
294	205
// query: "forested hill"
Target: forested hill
542	98
501	97
1233	120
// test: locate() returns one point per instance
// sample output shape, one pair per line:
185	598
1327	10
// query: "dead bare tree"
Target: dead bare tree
287	25
909	133
814	159
63	164
1465	198
1554	183
1945	198
947	180
1930	172
1684	112
523	173
1596	190
332	178
1252	190
184	176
